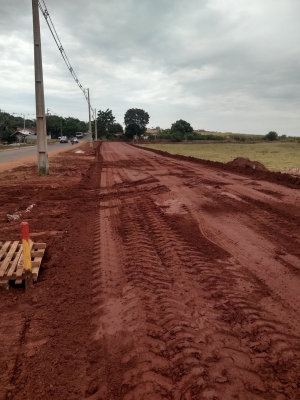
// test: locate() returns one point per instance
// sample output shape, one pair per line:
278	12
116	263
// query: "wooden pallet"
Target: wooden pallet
11	261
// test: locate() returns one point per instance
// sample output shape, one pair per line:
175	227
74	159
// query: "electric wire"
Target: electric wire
6	119
10	115
50	24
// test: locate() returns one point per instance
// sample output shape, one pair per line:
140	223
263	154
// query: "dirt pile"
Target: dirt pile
292	171
246	163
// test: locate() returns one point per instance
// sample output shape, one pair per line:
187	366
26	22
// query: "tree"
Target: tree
104	119
82	126
179	130
115	128
182	126
6	128
70	126
54	125
136	121
271	136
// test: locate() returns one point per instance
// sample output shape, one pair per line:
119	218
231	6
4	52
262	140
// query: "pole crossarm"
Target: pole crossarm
50	24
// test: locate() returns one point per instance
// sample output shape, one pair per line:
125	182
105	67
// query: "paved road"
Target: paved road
12	158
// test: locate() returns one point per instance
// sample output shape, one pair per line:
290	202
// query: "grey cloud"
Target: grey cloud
213	62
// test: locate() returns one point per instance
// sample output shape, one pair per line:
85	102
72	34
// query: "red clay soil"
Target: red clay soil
242	166
162	279
246	163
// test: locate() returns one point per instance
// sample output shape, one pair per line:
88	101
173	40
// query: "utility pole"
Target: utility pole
43	163
96	133
90	123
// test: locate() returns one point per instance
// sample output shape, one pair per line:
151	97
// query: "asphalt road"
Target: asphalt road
12	158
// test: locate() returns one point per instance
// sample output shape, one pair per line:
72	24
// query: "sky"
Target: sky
227	66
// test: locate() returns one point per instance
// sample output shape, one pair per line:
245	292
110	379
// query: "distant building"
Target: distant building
28	133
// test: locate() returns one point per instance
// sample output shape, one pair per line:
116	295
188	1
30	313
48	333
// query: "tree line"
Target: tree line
135	121
56	126
9	124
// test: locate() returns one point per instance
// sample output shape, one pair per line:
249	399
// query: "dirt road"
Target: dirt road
163	279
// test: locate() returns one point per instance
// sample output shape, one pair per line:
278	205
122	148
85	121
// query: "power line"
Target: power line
50	24
10	115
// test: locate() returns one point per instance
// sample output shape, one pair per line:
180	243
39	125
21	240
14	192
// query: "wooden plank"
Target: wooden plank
8	258
4	248
18	281
36	262
35	270
20	268
39	246
15	262
37	253
35	273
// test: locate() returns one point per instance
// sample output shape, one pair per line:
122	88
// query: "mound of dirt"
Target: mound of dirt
292	171
246	163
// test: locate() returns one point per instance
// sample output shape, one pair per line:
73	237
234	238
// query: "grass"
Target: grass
275	156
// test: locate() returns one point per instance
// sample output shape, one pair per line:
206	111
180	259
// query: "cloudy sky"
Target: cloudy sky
225	65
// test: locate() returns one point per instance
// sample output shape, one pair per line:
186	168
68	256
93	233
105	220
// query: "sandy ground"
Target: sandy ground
162	279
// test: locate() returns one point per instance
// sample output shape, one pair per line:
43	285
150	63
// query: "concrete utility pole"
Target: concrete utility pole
43	163
96	134
90	123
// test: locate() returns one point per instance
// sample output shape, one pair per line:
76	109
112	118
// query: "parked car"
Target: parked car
64	139
74	140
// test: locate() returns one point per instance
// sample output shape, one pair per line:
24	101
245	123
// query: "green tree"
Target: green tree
70	126
82	126
115	128
136	121
179	130
182	126
271	136
104	119
6	128
54	125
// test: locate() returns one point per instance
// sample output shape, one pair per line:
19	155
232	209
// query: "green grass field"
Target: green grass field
273	155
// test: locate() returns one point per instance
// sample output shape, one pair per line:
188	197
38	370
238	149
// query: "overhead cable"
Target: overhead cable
9	115
50	24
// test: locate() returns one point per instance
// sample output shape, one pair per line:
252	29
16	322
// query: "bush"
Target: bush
271	136
191	136
177	136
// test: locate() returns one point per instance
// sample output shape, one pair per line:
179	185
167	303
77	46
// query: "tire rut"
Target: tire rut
173	320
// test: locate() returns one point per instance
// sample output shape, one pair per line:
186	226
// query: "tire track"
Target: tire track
173	320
